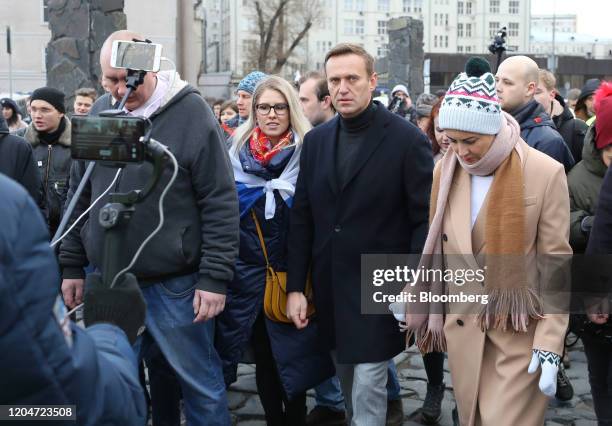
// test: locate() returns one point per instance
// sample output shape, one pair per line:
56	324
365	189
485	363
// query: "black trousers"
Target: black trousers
599	360
278	409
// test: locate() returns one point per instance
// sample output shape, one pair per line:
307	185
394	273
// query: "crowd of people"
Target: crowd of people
278	194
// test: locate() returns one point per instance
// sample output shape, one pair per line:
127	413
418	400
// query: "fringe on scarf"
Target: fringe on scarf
510	306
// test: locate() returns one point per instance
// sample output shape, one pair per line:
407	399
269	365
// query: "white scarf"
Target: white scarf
285	183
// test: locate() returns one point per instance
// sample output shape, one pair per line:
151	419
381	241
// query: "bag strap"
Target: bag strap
261	238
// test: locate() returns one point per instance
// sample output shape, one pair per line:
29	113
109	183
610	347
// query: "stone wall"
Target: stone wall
78	30
405	57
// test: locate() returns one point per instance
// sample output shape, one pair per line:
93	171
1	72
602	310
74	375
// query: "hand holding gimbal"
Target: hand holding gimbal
121	305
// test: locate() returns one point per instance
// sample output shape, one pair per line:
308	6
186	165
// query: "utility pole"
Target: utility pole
553	67
10	61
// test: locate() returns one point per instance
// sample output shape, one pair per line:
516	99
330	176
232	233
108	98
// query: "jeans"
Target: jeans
187	347
599	361
328	394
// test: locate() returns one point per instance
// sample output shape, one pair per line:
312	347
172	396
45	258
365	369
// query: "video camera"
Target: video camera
114	138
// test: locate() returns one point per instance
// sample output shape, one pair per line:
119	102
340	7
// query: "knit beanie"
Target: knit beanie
400	88
424	104
471	103
9	103
51	95
249	83
603	111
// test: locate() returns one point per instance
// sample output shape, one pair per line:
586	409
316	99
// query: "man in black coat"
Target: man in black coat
517	80
17	162
364	184
571	129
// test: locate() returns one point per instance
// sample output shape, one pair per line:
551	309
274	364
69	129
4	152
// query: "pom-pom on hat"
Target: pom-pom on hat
603	111
471	103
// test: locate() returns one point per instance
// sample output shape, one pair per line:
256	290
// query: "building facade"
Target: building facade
464	26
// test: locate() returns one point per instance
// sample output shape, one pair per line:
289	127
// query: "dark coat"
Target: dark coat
584	182
53	161
571	129
200	231
17	162
539	131
97	372
600	241
383	208
300	360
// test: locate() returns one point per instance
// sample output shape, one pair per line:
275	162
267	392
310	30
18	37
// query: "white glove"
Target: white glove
549	361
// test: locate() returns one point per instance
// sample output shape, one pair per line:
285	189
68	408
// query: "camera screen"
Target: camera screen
137	56
113	139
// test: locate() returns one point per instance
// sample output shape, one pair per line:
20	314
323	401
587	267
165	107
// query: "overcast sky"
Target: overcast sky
594	16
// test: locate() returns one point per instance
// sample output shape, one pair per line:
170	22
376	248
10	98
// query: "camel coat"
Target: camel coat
489	369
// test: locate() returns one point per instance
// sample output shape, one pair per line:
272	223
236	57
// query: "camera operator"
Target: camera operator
184	270
401	104
48	362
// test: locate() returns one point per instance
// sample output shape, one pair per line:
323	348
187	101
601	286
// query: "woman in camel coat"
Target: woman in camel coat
489	189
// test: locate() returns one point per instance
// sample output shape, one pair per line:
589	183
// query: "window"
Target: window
459	30
493	6
468	49
493	28
435	19
382	50
325	23
249	45
382	27
418	6
459	8
407	6
445	41
512	48
435	41
348	4
468	30
349	27
468	7
359	26
513	7
446	19
383	5
459	49
45	11
513	29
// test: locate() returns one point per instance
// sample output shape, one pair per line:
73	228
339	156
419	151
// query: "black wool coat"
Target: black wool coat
383	208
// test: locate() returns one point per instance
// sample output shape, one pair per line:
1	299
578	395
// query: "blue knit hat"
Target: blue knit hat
249	82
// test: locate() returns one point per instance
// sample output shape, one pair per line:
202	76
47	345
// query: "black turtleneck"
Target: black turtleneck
351	136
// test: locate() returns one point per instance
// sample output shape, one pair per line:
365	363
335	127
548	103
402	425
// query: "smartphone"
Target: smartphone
108	139
136	55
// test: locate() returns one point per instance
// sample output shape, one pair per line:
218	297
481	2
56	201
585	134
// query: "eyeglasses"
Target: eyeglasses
279	109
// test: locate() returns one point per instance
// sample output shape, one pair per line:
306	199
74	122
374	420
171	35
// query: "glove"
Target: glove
122	305
549	361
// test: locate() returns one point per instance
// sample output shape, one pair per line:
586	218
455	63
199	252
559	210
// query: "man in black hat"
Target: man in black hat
49	136
584	106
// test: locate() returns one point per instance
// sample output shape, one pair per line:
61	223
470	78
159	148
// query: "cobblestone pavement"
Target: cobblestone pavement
247	411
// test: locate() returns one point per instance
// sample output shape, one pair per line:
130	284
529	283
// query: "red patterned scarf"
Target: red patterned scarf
261	146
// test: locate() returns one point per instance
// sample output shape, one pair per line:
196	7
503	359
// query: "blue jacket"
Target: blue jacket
97	371
539	131
301	362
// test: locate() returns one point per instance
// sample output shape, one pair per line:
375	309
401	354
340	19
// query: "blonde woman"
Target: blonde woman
265	155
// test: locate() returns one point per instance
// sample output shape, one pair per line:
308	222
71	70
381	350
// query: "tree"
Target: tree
281	26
